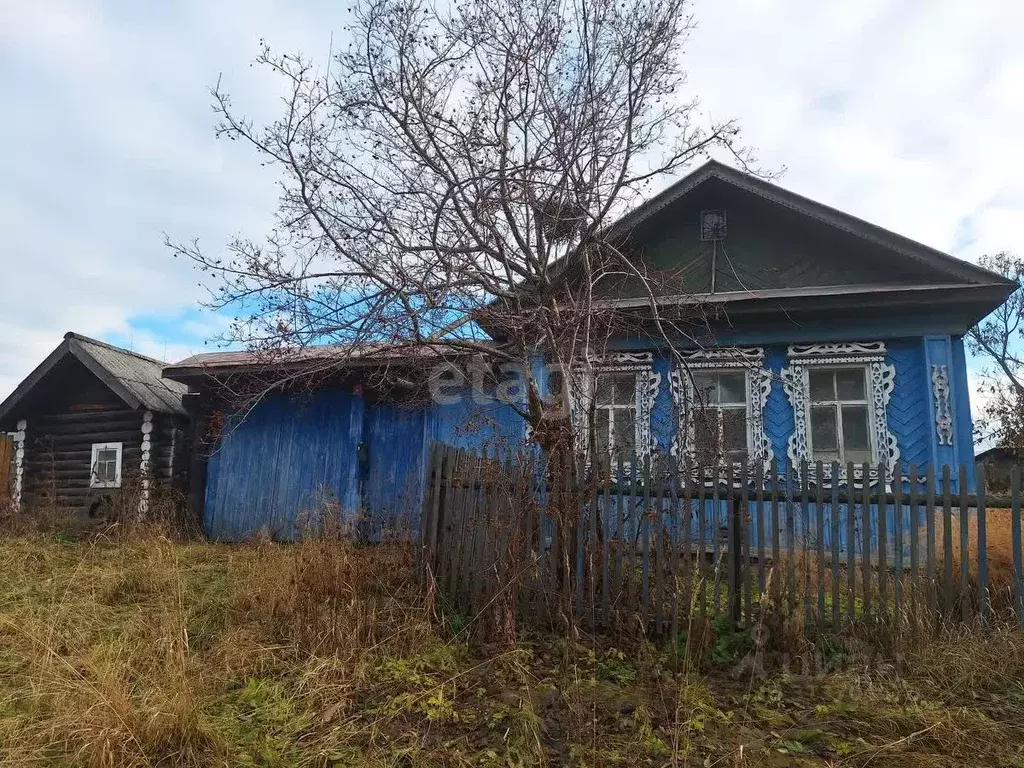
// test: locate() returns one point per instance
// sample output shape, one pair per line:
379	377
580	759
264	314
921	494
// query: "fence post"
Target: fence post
983	596
1018	577
735	559
437	505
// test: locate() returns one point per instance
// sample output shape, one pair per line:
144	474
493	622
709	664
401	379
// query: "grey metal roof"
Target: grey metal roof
134	378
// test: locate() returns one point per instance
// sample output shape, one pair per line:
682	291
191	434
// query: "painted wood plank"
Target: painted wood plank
805	522
914	531
866	537
948	588
883	547
436	504
702	542
851	546
687	544
762	566
645	522
897	531
776	531
836	523
659	570
620	537
930	510
605	532
676	522
791	511
819	509
746	572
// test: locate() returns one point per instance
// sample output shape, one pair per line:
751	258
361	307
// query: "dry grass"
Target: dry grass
999	544
148	652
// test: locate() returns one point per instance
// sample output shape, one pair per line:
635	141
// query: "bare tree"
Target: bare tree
453	178
999	339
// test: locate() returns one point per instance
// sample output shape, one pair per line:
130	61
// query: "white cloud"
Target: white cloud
904	113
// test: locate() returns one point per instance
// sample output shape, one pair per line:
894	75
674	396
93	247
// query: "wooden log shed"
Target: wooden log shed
89	421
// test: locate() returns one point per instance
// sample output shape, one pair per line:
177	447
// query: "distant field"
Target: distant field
152	653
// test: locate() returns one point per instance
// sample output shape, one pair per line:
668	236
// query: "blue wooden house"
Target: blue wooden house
823	337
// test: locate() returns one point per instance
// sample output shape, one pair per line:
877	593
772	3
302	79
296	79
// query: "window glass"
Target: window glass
855	428
705	386
850	384
824	429
624	434
105	471
720	416
839	416
732	388
822	385
734	432
615	413
601	428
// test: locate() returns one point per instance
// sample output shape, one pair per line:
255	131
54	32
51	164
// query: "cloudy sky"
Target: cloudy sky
903	112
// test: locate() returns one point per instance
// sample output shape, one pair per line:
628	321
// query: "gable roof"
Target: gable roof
958	271
135	378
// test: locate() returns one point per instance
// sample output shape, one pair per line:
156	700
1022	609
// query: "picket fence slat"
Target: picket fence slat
983	596
617	541
836	524
914	531
1015	536
965	561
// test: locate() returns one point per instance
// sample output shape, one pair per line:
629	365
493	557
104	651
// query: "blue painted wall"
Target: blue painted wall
294	456
287	461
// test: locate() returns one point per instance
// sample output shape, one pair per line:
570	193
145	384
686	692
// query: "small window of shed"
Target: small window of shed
106	465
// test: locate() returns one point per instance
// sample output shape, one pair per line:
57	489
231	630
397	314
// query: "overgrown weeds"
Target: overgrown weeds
148	652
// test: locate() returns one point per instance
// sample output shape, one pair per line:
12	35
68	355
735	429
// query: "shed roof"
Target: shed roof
135	378
320	356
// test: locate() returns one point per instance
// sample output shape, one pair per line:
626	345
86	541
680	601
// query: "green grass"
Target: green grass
150	653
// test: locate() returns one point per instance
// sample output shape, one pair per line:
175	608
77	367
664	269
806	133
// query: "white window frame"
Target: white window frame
697	403
757	381
866	401
95	482
880	379
633	406
647	384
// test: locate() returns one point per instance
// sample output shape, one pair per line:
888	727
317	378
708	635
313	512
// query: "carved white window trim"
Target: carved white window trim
749	361
19	462
648	384
943	410
881	380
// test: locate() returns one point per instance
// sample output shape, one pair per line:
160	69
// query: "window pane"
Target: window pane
855	428
822	386
625	389
705	387
734	430
601	430
733	388
604	393
106	454
705	434
850	384
823	429
625	431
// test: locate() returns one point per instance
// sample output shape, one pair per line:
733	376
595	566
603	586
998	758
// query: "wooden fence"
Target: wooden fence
658	544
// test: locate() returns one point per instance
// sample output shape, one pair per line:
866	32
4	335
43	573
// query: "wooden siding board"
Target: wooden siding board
278	462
